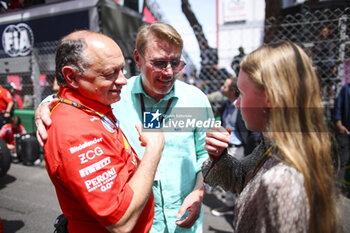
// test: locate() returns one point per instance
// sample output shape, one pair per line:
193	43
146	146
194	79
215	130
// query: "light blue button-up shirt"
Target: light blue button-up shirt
183	152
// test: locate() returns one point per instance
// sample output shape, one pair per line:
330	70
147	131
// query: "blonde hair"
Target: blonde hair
285	72
159	30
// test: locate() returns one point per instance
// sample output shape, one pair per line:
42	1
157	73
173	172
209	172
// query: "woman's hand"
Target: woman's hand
216	141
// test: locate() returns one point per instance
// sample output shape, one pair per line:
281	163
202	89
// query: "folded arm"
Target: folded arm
142	180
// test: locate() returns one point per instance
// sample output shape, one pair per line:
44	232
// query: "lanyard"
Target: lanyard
86	109
143	108
263	159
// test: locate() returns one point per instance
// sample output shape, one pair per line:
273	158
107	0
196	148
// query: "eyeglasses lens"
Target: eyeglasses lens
176	65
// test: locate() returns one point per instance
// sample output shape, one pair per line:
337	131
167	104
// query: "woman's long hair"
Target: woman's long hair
296	124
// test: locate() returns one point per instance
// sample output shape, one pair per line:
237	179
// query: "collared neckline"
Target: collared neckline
75	96
138	89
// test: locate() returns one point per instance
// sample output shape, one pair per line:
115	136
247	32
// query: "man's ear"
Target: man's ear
137	57
70	76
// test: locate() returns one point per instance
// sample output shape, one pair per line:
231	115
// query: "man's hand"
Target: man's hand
216	141
148	137
7	115
341	128
10	146
43	120
192	203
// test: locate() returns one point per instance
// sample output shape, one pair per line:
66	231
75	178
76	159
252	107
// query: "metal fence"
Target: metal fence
29	78
324	35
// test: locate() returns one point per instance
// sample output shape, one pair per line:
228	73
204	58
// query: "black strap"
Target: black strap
61	224
84	108
143	109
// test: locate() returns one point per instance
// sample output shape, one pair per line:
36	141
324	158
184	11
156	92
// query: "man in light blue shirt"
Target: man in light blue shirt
178	180
178	186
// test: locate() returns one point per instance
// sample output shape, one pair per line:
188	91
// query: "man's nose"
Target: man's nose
168	69
121	80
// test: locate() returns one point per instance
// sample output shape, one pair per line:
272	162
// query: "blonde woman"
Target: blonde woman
286	184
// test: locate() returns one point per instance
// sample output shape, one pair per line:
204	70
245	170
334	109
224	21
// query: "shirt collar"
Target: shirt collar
138	89
75	96
234	102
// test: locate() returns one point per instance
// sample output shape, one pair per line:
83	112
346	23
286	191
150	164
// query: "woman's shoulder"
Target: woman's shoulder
279	176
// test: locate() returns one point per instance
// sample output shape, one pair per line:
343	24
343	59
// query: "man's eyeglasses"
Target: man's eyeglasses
161	65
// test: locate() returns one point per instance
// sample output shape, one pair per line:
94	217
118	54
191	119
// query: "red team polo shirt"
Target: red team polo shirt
5	98
90	163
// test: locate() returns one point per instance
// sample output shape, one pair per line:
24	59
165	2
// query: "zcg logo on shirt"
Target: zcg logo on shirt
90	155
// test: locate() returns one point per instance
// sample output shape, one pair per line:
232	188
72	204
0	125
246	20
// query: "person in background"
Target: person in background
242	141
8	132
342	121
17	99
101	184
235	64
287	183
325	61
216	98
6	104
178	185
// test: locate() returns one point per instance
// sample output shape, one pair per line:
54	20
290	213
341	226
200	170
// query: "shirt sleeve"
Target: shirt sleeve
23	130
7	96
49	98
3	131
97	175
228	172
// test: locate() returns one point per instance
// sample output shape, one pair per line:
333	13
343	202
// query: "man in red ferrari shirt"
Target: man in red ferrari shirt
8	131
100	182
6	104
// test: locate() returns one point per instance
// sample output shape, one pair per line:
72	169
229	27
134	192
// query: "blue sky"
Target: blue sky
205	11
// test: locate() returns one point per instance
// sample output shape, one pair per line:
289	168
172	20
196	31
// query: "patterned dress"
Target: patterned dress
272	200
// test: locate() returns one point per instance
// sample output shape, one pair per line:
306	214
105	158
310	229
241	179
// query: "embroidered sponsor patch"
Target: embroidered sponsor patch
90	155
95	167
103	181
94	119
107	126
84	145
